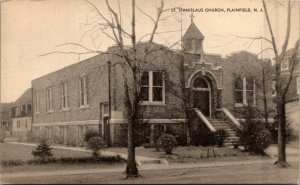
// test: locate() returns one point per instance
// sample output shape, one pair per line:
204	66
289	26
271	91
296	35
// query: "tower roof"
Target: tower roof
193	32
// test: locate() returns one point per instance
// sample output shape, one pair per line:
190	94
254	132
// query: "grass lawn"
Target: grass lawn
189	154
23	152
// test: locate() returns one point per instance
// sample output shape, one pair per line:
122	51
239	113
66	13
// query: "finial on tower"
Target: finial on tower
192	17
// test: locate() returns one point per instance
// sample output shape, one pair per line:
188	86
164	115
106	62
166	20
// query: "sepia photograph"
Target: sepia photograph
149	91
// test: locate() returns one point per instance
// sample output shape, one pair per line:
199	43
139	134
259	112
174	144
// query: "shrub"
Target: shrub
96	143
91	133
254	136
167	142
203	136
220	136
12	163
43	151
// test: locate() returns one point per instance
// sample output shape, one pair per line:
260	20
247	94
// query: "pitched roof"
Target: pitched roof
25	97
193	32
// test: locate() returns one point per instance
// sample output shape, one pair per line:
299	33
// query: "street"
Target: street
250	173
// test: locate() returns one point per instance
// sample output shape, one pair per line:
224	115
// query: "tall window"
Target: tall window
37	102
245	91
83	91
239	90
49	102
152	86
64	95
250	91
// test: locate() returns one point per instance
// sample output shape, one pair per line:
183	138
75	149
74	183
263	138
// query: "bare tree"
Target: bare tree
281	88
111	27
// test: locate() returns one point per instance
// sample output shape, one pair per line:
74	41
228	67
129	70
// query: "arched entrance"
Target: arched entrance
201	95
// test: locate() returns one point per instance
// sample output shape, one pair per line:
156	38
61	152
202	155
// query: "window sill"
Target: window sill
153	103
84	107
64	109
49	111
36	113
239	105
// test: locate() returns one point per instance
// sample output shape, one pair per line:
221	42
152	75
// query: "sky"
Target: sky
32	28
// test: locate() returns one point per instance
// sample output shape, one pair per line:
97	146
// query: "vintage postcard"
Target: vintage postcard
149	91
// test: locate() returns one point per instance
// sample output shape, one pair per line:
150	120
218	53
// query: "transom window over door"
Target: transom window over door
83	91
152	87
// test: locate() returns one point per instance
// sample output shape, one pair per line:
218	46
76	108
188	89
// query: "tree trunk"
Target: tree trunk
281	133
131	169
132	117
265	97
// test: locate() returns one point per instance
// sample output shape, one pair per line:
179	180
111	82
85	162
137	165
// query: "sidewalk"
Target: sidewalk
163	166
141	168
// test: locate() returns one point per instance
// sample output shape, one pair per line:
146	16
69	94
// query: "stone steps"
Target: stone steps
219	124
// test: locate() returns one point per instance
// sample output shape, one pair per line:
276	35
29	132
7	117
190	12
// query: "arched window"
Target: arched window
200	83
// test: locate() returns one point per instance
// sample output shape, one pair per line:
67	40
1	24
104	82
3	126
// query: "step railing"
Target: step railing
228	115
205	120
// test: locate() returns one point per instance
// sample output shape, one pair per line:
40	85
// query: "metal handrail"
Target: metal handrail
205	120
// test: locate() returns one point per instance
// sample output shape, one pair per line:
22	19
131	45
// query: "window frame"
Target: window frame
64	99
83	92
49	99
151	87
245	90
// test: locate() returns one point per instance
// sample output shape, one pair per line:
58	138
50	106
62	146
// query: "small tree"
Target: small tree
167	142
91	133
96	143
42	151
254	136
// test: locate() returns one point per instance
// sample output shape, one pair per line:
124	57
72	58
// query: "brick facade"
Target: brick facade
179	69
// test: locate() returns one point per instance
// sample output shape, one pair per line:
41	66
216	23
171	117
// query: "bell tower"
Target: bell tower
192	40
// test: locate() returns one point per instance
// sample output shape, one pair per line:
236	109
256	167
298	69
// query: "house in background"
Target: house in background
76	98
291	60
21	115
5	118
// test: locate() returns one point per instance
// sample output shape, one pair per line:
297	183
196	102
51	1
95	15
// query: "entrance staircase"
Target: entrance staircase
214	124
219	124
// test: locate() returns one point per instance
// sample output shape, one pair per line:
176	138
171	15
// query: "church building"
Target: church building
90	93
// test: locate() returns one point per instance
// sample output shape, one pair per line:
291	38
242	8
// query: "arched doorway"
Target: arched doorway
201	95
